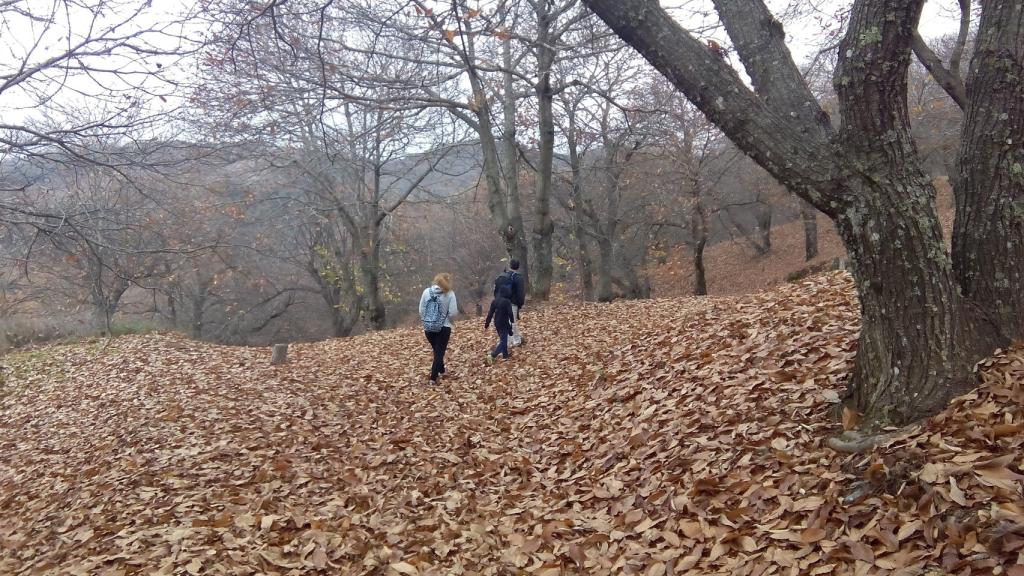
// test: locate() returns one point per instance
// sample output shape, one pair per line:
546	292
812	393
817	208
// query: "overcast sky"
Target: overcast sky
805	35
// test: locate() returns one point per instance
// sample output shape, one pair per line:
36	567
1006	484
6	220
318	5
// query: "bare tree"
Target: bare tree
79	74
108	240
604	125
552	40
331	116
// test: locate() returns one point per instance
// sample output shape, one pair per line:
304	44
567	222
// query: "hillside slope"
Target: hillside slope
734	268
680	436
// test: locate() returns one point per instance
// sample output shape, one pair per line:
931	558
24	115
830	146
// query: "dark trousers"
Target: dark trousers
439	344
502	347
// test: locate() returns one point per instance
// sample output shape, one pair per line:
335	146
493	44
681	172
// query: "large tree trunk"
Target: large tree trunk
515	243
342	324
369	261
333	276
543	226
372	220
988	234
918	342
607	222
809	216
504	208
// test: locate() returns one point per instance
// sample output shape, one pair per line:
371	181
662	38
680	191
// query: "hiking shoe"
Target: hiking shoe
489	360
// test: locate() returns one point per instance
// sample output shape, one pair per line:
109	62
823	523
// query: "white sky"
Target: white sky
804	37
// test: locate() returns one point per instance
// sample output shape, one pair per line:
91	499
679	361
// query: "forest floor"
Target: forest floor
662	437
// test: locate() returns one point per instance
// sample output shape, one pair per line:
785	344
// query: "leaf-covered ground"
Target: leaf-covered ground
680	436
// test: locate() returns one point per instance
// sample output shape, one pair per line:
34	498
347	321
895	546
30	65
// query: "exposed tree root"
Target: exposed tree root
856	442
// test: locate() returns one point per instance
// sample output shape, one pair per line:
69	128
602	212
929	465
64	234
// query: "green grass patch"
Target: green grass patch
125	327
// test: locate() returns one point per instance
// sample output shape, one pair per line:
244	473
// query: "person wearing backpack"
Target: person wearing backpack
437	307
517	295
501	312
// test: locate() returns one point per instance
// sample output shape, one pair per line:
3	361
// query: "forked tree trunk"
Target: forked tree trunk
918	342
918	339
988	234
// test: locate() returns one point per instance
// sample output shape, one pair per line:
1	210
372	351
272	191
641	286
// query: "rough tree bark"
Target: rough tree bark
543	226
988	234
369	270
918	341
515	244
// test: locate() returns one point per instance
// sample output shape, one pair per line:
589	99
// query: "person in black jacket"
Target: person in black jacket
517	295
501	312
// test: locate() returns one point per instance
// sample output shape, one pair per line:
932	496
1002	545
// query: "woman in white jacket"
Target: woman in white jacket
437	307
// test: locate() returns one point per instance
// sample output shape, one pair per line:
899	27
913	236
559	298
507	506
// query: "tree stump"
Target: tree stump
279	354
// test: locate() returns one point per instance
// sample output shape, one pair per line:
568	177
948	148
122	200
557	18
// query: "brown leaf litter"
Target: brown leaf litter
679	436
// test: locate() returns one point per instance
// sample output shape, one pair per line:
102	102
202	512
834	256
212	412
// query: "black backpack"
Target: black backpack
505	279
